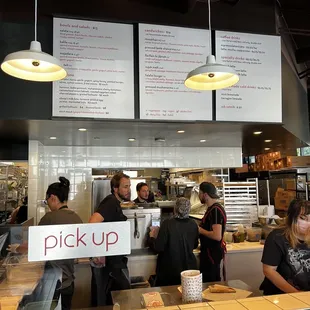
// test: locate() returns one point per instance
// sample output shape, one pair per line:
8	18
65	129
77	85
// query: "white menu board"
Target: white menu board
166	55
258	95
99	60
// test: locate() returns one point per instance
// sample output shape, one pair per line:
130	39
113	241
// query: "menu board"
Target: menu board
257	97
98	58
166	56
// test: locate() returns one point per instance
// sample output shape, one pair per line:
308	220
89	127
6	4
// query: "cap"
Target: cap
210	189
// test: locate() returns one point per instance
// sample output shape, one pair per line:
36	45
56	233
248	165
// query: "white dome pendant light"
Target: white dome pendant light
212	75
33	64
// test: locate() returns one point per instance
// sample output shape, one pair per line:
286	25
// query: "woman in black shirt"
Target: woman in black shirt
176	240
286	256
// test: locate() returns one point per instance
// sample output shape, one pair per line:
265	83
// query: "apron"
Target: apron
223	243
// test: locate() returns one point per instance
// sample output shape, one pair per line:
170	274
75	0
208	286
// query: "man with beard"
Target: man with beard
110	273
211	232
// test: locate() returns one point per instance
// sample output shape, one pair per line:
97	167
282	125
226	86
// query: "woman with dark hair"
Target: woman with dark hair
174	243
57	198
286	256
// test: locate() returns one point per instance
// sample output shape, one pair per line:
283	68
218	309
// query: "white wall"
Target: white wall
47	163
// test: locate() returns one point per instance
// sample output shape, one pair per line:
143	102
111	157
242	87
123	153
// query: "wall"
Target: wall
47	163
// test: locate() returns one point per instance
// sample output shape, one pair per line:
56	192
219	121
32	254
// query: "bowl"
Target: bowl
254	234
280	221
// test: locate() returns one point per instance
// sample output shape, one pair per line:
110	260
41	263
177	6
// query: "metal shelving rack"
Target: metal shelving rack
11	197
241	202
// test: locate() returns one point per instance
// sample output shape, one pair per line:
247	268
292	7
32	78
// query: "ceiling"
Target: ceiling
296	17
107	133
117	133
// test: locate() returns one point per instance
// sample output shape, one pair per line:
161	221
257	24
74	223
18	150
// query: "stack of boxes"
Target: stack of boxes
283	197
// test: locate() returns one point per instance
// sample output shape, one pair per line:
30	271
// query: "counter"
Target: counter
131	299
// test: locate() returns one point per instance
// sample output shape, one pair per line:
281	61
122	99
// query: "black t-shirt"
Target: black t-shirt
110	209
211	250
22	214
177	238
293	264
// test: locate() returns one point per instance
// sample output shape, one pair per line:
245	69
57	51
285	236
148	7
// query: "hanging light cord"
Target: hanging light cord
210	29
35	19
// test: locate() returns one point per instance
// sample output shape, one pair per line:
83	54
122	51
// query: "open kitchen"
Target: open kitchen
153	155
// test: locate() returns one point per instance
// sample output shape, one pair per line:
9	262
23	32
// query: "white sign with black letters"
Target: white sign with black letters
79	240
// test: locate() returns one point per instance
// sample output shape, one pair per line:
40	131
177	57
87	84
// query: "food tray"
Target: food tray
166	299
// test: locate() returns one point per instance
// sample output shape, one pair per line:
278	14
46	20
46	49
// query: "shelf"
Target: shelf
241	202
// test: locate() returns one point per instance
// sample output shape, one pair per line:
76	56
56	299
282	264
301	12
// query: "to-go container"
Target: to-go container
254	234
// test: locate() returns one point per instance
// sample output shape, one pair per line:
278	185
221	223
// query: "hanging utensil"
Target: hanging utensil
136	232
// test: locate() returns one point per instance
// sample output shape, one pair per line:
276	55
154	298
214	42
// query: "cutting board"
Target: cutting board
206	294
240	294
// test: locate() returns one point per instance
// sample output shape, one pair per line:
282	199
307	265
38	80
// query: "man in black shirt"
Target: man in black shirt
110	273
143	193
211	230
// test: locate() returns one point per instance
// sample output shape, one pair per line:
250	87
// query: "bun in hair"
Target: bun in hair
64	181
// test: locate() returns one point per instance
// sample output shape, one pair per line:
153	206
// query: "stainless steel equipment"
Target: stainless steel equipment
100	190
140	222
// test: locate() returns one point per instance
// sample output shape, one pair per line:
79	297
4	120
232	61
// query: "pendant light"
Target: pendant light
212	75
33	64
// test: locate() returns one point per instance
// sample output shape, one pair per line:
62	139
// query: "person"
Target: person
174	242
143	193
20	214
56	199
110	273
211	231
286	255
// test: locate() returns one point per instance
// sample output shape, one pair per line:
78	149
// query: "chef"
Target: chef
110	273
144	195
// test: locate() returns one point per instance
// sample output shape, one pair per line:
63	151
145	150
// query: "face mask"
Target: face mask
303	226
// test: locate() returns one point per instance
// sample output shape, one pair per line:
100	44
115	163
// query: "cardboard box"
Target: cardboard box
290	184
283	199
245	168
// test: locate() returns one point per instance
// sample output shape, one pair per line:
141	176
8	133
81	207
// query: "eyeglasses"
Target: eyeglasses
46	199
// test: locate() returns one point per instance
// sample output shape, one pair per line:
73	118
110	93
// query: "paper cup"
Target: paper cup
191	281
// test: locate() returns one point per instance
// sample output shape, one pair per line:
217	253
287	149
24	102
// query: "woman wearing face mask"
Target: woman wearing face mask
286	256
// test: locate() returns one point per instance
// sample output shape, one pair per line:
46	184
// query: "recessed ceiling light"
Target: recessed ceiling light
82	129
257	133
267	148
132	139
53	138
181	131
267	141
203	141
160	139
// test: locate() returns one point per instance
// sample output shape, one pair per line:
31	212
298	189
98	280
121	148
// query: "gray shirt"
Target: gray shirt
62	217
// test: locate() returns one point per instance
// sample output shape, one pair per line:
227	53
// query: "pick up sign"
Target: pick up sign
79	240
